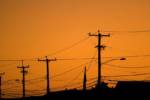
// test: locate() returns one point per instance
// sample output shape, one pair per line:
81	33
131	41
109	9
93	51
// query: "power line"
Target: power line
63	59
132	56
69	47
60	74
43	90
36	82
90	63
86	58
91	83
128	31
59	51
40	79
73	79
10	88
78	74
63	49
127	67
127	80
7	65
76	58
67	71
141	74
34	79
68	84
10	80
80	83
10	60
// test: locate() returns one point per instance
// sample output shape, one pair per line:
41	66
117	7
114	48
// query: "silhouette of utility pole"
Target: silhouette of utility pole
23	78
1	84
47	69
84	81
99	46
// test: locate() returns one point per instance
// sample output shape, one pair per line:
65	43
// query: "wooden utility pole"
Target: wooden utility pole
23	71
47	70
99	46
1	84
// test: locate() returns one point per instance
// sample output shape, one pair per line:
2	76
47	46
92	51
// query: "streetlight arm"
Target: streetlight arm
113	60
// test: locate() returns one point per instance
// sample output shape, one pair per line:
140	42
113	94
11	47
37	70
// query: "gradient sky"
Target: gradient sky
36	28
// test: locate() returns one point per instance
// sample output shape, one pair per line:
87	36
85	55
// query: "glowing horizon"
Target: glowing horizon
37	28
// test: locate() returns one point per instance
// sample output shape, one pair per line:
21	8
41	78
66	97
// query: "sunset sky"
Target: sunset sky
32	29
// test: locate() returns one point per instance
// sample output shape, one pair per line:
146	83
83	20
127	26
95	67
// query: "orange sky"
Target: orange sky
35	28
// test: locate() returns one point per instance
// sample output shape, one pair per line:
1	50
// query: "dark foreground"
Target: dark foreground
132	89
91	94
